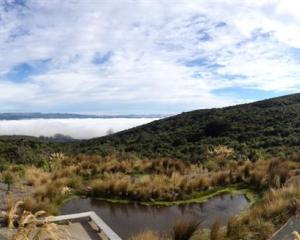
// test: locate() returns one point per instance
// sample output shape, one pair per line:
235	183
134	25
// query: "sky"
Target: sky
145	56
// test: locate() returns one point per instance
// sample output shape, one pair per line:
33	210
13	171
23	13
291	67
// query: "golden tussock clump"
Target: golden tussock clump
147	235
36	176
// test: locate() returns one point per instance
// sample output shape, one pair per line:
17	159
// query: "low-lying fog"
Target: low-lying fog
75	128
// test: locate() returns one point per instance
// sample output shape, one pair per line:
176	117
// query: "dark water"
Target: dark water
130	219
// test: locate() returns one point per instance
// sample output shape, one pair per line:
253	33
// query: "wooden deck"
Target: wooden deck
92	216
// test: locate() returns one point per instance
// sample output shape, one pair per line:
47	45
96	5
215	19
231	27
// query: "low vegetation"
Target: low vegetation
122	177
126	177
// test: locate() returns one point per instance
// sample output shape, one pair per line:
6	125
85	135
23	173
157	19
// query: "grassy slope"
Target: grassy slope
266	125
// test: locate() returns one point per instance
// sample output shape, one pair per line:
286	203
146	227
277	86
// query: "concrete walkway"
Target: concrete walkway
94	220
82	230
285	232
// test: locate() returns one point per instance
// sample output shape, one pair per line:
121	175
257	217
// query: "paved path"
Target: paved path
81	231
95	219
76	231
285	232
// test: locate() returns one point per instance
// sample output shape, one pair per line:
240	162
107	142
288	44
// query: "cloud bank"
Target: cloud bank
143	56
75	128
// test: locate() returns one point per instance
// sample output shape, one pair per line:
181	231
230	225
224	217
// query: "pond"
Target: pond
128	219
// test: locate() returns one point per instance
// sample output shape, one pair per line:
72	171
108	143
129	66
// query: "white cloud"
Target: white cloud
244	44
76	128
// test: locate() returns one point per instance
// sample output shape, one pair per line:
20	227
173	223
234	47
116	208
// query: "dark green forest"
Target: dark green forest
269	127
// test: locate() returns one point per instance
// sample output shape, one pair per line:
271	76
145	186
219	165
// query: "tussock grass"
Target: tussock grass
36	176
215	231
276	207
148	235
29	225
121	176
184	229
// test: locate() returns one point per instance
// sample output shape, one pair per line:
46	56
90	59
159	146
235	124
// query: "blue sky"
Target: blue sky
145	56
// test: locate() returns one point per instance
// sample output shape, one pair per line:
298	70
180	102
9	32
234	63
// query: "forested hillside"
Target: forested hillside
271	126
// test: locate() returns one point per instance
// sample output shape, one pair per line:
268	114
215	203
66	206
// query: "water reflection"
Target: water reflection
128	219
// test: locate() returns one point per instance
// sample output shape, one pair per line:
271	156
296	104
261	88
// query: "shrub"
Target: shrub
8	178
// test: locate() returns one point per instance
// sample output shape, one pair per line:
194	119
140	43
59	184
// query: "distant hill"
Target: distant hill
271	126
20	116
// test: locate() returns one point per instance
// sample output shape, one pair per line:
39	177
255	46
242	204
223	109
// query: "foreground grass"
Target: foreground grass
124	179
161	181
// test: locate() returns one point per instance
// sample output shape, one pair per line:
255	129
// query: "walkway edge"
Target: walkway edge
111	235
